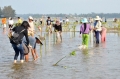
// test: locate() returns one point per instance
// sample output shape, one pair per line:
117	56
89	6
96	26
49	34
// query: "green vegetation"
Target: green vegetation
7	11
73	53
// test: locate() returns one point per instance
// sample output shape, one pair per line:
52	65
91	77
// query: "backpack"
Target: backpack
15	38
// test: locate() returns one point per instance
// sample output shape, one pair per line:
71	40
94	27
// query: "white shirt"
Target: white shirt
98	26
40	19
11	22
31	28
67	20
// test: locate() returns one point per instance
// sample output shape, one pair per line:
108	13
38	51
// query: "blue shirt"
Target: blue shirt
32	41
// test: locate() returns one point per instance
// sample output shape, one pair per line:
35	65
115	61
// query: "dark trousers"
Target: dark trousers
18	49
97	36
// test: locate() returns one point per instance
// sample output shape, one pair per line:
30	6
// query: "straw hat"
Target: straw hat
84	20
97	18
37	39
30	17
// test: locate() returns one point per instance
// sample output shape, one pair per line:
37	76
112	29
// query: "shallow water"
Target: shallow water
98	62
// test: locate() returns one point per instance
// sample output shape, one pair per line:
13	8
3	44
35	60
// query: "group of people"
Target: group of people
10	23
57	22
98	29
26	31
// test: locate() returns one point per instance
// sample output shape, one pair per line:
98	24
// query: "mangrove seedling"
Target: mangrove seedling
73	53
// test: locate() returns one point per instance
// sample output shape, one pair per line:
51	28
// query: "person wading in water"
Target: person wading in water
84	30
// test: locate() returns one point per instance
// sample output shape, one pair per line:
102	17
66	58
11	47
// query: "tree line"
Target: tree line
93	15
7	11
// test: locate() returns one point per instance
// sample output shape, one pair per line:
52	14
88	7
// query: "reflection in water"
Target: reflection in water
72	34
49	40
41	51
45	43
21	71
91	39
54	38
104	45
85	52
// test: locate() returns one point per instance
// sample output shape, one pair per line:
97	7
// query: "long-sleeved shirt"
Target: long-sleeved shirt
22	34
84	30
98	26
31	28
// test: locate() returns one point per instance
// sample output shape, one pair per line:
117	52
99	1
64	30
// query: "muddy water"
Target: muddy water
98	62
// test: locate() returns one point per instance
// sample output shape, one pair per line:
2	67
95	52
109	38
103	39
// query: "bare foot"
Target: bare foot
35	59
15	61
22	61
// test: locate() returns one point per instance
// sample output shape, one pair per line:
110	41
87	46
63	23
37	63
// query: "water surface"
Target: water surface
99	62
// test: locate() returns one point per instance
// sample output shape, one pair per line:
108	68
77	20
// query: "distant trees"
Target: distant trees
7	11
107	15
0	12
93	15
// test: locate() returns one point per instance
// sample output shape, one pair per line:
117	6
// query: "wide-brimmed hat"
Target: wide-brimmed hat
84	20
30	17
39	40
97	18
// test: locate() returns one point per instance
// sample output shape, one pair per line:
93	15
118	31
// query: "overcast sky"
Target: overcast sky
63	6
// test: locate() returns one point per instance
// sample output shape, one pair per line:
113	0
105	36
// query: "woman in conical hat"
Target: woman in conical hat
33	41
38	41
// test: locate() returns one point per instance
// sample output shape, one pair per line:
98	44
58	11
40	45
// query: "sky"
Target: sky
62	6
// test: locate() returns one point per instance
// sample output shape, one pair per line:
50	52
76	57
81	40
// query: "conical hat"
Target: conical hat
39	40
